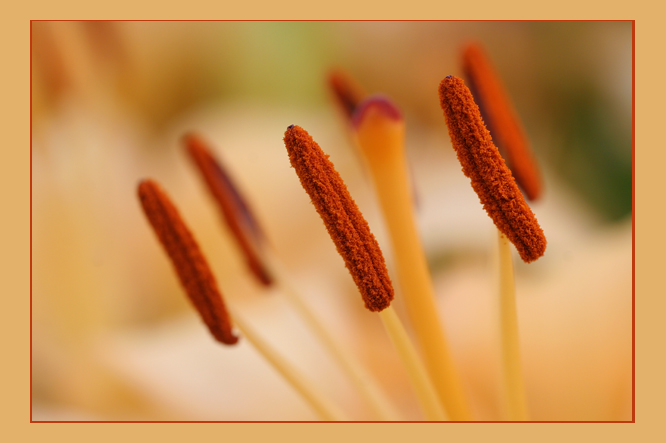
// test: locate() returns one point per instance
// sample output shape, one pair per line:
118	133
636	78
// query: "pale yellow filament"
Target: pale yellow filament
363	381
418	375
512	372
321	404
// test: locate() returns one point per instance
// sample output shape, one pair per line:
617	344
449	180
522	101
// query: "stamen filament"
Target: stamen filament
416	371
512	372
327	410
364	383
380	134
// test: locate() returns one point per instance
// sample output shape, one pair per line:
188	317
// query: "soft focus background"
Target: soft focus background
114	337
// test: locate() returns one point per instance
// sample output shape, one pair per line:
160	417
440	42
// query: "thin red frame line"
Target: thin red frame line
323	20
31	222
633	233
633	220
333	422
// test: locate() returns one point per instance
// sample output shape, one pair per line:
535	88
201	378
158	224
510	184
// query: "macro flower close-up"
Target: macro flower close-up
332	221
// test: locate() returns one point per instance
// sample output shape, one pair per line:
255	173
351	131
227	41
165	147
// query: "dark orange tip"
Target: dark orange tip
491	178
502	119
190	264
235	209
346	92
343	220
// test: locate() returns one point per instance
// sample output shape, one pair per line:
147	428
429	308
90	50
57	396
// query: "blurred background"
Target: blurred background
114	338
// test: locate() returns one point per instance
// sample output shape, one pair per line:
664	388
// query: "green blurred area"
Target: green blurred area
595	154
585	74
276	61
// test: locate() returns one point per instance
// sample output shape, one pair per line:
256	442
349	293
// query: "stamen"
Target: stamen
234	208
501	119
359	249
346	91
491	178
344	222
188	261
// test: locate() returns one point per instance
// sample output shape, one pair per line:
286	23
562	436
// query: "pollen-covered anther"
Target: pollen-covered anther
491	178
502	119
188	261
234	208
345	223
